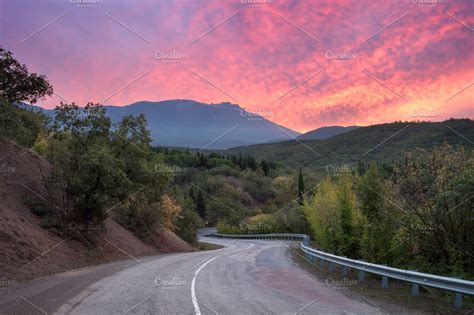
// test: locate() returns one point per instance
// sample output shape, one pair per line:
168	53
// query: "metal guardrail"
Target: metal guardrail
458	286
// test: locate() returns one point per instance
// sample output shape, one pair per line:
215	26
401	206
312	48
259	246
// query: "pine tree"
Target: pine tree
301	188
265	167
201	205
191	194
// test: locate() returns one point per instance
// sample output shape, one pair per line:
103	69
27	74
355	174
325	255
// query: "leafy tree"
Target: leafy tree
377	230
453	213
26	128
333	216
295	220
17	84
139	216
188	221
429	186
130	143
84	167
349	243
170	210
321	213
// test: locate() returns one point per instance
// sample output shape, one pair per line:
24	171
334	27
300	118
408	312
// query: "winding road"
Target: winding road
243	277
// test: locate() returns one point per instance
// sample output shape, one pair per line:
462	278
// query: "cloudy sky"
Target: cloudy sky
303	64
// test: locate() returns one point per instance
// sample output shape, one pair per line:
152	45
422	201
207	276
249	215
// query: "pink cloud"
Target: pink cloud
256	56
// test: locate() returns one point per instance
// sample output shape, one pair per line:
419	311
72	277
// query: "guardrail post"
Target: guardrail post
361	275
415	289
331	266
384	282
321	263
458	300
344	271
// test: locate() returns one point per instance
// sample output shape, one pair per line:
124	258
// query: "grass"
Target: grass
207	246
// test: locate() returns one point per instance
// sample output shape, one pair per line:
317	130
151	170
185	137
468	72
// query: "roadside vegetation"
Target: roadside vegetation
415	213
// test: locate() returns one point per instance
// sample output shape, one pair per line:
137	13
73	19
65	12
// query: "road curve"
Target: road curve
244	277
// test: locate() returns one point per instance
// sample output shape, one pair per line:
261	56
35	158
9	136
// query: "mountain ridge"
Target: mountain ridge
325	132
189	123
382	142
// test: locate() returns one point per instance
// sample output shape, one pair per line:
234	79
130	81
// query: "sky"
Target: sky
303	64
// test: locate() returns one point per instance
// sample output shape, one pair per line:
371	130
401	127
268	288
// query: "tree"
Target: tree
84	167
434	190
346	199
139	216
301	191
17	84
333	216
453	214
27	128
201	205
188	221
130	143
377	228
170	210
322	215
192	195
265	167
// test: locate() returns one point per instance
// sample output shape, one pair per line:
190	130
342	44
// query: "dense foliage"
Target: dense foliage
17	84
417	216
363	144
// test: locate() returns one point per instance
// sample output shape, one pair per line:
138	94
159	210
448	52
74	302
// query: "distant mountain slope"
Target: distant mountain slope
187	123
325	132
377	142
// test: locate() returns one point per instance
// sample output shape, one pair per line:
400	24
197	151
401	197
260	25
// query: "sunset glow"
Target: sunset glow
305	64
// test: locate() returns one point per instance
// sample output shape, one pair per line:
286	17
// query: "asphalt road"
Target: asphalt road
245	277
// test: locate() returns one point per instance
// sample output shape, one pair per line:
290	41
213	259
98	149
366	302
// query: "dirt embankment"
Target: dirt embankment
27	250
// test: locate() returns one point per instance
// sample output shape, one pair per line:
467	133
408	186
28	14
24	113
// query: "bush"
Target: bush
139	216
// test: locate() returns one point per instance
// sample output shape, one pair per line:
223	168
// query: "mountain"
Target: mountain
325	132
384	142
187	123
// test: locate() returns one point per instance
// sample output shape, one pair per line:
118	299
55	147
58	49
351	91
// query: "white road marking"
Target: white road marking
197	310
